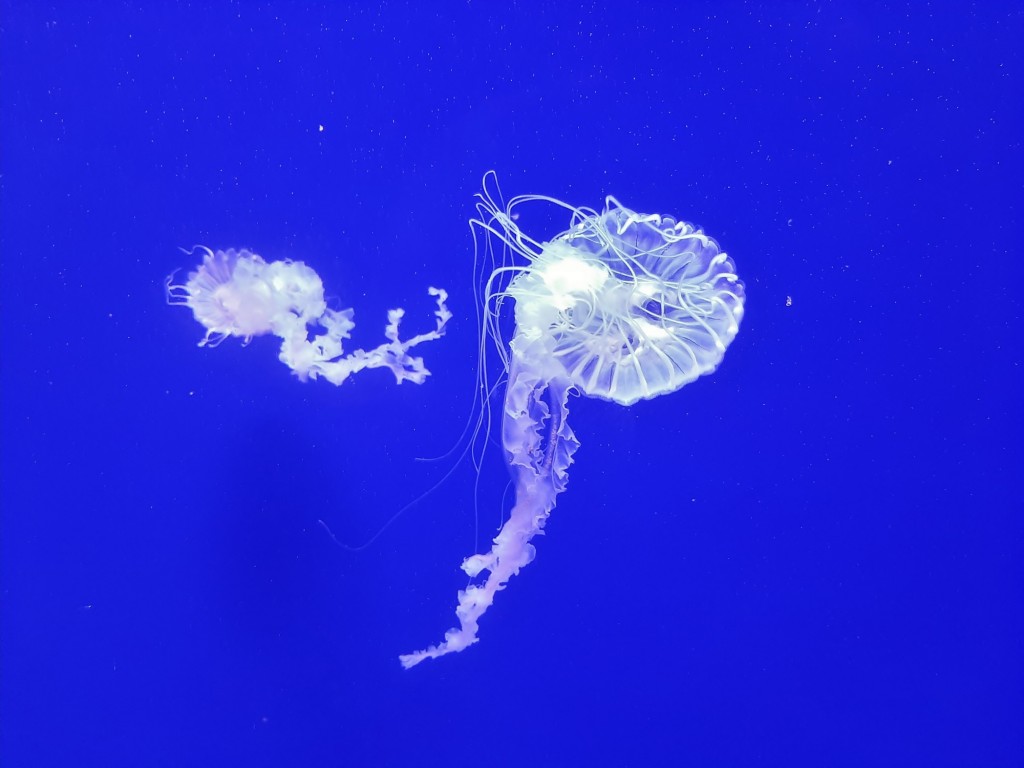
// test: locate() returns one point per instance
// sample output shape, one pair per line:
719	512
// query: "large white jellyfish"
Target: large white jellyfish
237	293
622	306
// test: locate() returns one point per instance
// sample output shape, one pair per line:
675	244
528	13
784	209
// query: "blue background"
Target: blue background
812	557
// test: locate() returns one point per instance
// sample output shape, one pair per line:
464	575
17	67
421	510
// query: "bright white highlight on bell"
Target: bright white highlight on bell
237	293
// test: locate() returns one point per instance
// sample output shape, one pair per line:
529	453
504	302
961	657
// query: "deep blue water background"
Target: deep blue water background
812	557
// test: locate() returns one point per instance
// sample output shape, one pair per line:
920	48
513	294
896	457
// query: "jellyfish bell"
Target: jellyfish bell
633	306
622	306
237	293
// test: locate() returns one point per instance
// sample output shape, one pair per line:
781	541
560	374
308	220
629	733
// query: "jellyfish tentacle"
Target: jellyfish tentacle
539	446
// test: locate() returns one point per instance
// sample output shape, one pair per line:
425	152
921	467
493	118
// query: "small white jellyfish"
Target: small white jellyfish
237	293
622	306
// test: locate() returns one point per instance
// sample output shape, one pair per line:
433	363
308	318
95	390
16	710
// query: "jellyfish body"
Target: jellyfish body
621	306
237	293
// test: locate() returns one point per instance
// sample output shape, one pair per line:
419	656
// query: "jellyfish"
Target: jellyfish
237	293
622	306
